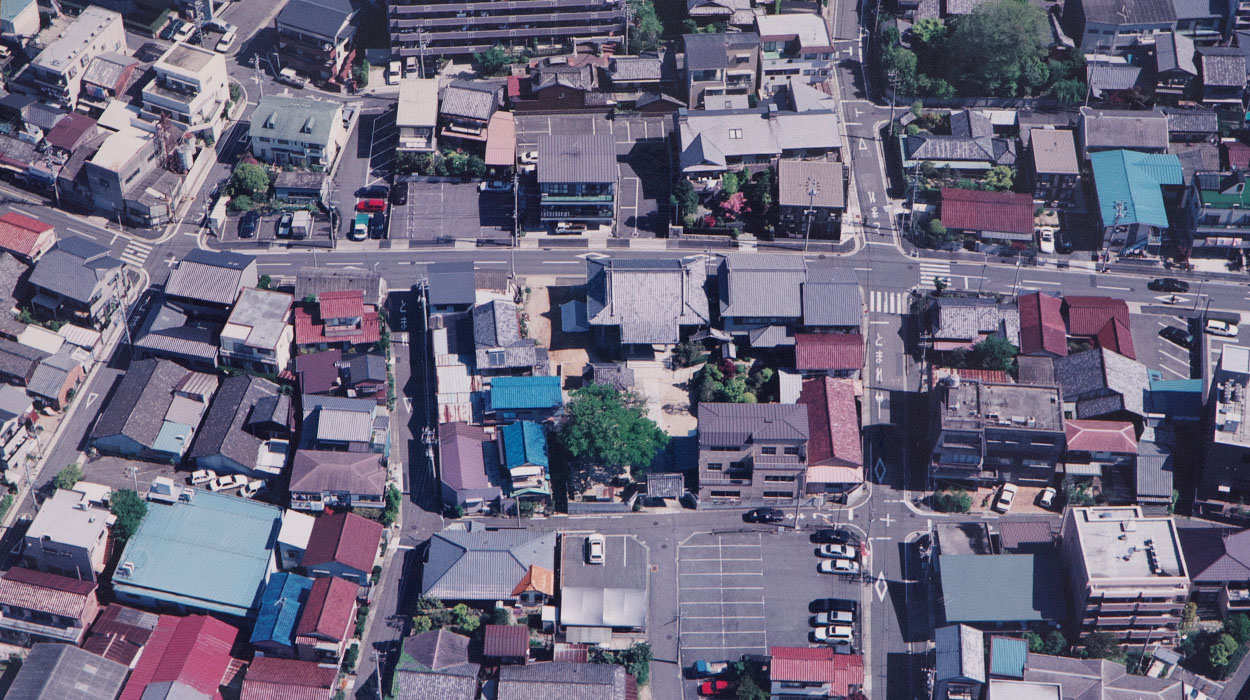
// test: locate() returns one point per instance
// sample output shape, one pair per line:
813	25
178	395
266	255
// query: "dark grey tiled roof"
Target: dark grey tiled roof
366	367
138	405
650	299
761	285
1136	11
1192	121
1216	554
436	650
956	148
1100	381
581	158
1223	67
316	17
831	297
416	685
732	424
471	99
711	51
224	432
970	124
483	565
64	672
1124	129
357	473
1175	51
73	268
452	283
581	77
1105	77
633	68
496	324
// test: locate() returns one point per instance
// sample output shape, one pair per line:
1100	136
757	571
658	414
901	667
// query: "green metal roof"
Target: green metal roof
173	438
1135	179
1007	655
983	588
1178	399
519	393
524	443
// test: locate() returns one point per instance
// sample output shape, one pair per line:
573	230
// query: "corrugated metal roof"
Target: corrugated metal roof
524	443
209	276
801	664
517	393
328	612
193	650
506	641
345	538
271	678
65	672
279	609
1007	655
1135	180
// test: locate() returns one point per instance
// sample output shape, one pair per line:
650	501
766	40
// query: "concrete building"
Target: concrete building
19	18
1224	476
190	87
1056	168
1098	26
57	71
720	64
417	114
257	337
1127	573
298	131
811	196
752	453
577	179
68	537
793	44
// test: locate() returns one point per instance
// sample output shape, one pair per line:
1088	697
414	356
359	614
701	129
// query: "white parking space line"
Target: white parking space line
1173	357
714	559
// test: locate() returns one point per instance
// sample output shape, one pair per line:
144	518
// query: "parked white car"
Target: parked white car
838	566
252	488
836	551
1047	499
837	617
225	483
1005	498
833	634
1046	239
1221	328
594	549
394	71
202	476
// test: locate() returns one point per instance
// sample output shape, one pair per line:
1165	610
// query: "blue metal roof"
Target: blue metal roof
1134	179
279	610
1007	655
1178	399
10	9
524	443
513	393
1002	588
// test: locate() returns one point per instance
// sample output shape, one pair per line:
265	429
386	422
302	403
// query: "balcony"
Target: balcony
50	631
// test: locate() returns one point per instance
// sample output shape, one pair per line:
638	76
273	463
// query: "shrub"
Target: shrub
69	475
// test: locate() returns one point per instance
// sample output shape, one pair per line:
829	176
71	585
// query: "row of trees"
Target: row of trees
446	163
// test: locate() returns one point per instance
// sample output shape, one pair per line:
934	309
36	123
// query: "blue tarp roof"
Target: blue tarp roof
513	393
524	443
1134	179
279	610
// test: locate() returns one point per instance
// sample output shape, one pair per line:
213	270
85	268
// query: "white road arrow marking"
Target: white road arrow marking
91	398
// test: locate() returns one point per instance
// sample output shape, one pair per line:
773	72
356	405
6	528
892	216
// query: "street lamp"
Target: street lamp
813	189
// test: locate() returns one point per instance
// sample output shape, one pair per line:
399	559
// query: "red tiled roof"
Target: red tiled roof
828	351
975	210
193	650
1041	325
270	678
848	672
832	422
318	371
329	609
44	592
69	131
1101	436
506	641
536	578
807	664
347	304
1088	314
20	233
311	331
1117	337
1238	154
345	538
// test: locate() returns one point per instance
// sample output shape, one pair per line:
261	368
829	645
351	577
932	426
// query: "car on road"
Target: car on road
831	604
371	204
764	515
394	71
1168	284
836	551
288	76
248	224
1006	495
838	566
1046	239
837	617
378	191
283	228
1179	336
1047	497
1221	328
184	32
707	669
833	634
717	687
495	186
833	536
1063	243
360	227
227	482
202	476
399	194
594	549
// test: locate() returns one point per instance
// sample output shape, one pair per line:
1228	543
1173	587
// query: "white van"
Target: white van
226	41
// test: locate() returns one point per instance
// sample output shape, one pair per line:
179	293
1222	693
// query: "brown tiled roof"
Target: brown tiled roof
345	538
328	611
828	351
36	590
506	641
1041	325
1101	436
833	422
1088	314
976	210
536	578
270	678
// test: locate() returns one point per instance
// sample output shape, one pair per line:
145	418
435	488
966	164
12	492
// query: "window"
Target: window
768	450
726	494
715	466
735	133
793	451
778	494
776	478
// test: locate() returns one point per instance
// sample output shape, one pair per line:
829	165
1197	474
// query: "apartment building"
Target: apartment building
190	87
56	73
69	537
793	45
752	452
298	131
1224	476
721	64
1127	573
461	28
1216	211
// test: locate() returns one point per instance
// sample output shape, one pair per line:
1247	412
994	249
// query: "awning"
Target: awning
588	635
501	139
1005	236
834	475
1082	469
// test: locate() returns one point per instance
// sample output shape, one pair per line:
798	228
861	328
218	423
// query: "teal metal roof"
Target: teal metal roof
519	393
524	443
1007	655
1178	399
210	554
1135	179
980	588
280	607
173	438
10	9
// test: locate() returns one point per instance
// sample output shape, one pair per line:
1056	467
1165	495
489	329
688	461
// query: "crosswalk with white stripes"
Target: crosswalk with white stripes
888	302
931	270
136	253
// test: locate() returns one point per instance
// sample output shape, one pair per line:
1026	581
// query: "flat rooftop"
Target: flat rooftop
185	58
1120	543
1023	690
1231	398
972	405
66	519
64	50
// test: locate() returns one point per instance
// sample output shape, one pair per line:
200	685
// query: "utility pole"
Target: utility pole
629	18
133	471
422	42
813	189
256	74
377	670
516	217
895	79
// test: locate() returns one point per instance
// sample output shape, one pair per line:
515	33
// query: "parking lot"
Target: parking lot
722	580
266	232
444	210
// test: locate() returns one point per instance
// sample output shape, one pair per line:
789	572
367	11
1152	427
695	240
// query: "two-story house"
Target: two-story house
768	299
40	607
327	620
337	320
751	453
317	38
343	545
577	179
1056	167
68	537
721	64
323	479
811	196
1099	26
416	115
1223	72
643	302
1217	213
190	88
57	71
1106	449
337	423
297	131
17	435
257	336
793	45
78	279
466	107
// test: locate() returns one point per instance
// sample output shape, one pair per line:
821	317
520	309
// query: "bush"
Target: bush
465	618
956	501
636	660
240	202
362	616
1238	627
1104	645
69	475
391	512
350	657
1220	654
249	179
501	616
5	504
421	623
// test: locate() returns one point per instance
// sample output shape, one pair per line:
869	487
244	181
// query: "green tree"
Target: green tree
995	353
684	200
759	191
956	501
129	507
393	499
610	428
1069	91
1035	642
917	108
240	202
236	92
465	618
360	73
492	61
501	616
69	475
421	623
264	282
748	689
936	227
645	34
1221	652
636	660
992	50
689	26
1000	178
1056	643
940	285
729	184
1238	626
1103	645
350	657
928	30
249	179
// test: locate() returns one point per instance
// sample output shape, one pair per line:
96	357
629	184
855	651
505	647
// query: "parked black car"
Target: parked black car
399	194
832	604
1063	242
832	536
377	226
373	192
248	224
1167	284
1176	335
764	515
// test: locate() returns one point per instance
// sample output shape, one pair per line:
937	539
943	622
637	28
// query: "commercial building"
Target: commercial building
1056	167
1127	573
752	452
68	537
189	87
811	197
1224	476
56	73
297	130
1135	193
1217	220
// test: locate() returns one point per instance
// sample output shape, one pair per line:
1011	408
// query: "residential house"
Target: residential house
1113	130
466	108
171	330
960	662
1102	26
345	545
612	594
525	398
41	607
71	133
1135	191
643	80
65	672
154	412
281	602
1191	125
318	39
321	480
21	19
316	281
57	378
577	179
817	672
473	564
337	319
120	634
523	456
991	216
56	72
1064	677
505	644
564	679
1001	591
1116	82
1215	212
970	150
327	621
176	559
1042	329
960	323
1223	73
68	537
293	538
366	375
1219	569
78	280
337	423
1176	66
25	238
287	678
720	64
1127	573
468	466
433	662
1100	383
835	354
986	431
1056	168
645	302
12	276
18	441
210	281
18	362
416	115
1228	447
453	287
108	76
246	431
811	197
301	187
189	87
770	298
1105	320
1106	449
559	84
793	44
752	452
497	337
734	13
297	130
257	336
186	657
835	459
487	24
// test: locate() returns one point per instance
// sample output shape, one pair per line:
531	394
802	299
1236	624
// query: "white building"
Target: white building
258	335
298	131
57	71
417	114
793	45
190	87
69	537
